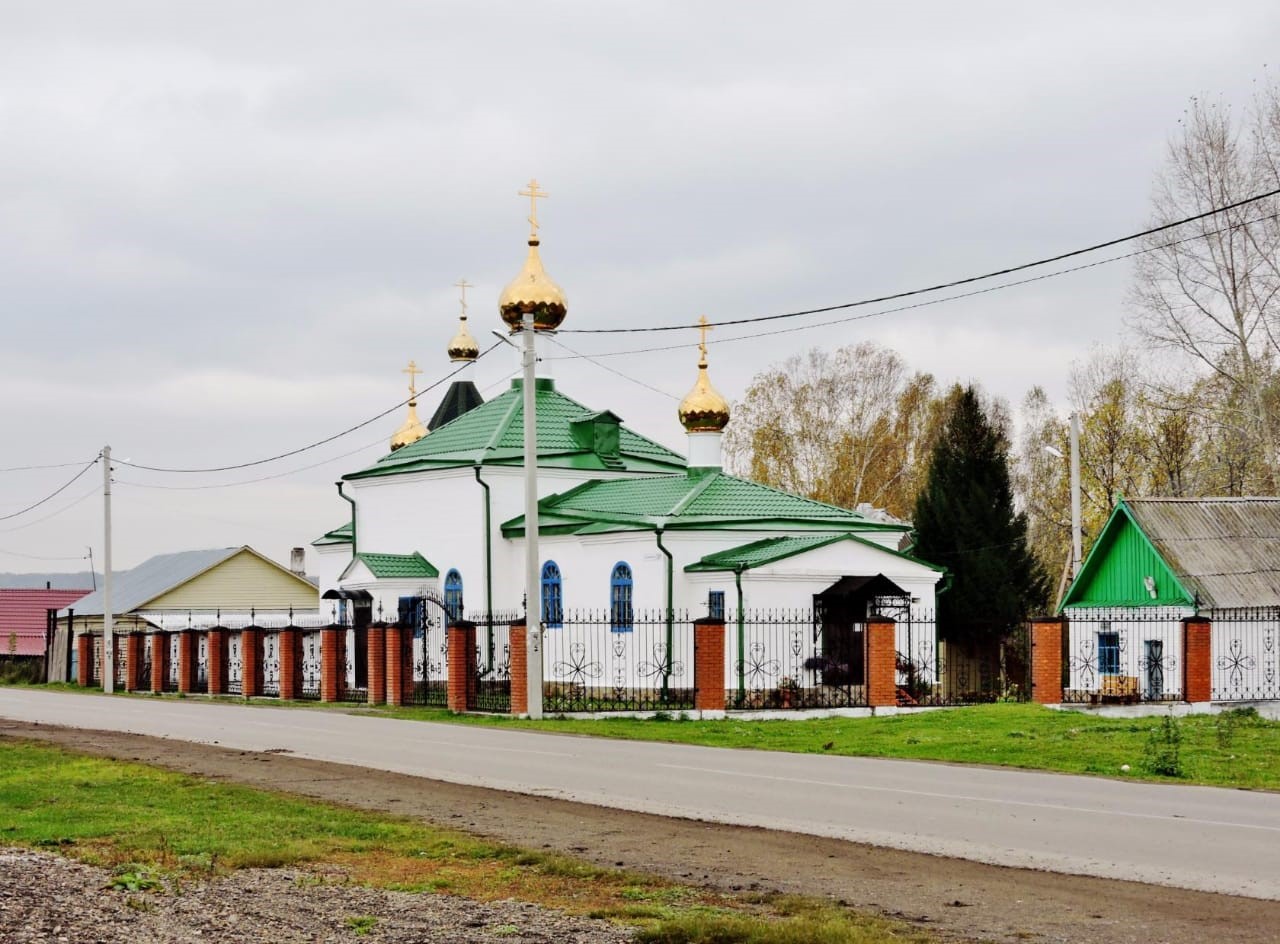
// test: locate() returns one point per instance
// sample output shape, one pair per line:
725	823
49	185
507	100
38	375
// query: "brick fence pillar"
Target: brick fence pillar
251	661
462	666
217	641
187	654
132	661
1197	660
159	661
84	655
519	669
290	663
881	663
1046	660
708	664
333	666
393	664
376	646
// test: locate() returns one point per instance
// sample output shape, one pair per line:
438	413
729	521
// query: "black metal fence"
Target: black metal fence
427	653
1245	654
619	661
1123	655
787	659
310	690
978	668
493	662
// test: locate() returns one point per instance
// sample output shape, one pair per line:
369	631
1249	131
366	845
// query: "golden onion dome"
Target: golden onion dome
412	430
533	291
703	410
463	347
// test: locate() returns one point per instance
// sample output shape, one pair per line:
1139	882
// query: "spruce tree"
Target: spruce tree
965	521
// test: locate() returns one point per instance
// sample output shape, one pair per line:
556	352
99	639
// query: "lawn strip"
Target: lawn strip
1232	749
148	824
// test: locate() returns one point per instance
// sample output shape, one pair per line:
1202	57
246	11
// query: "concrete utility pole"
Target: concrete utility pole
108	637
1077	526
533	585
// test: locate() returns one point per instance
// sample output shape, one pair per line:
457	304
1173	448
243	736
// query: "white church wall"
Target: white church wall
328	562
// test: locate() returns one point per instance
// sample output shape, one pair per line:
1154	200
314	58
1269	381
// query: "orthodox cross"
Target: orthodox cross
412	371
463	285
533	193
703	327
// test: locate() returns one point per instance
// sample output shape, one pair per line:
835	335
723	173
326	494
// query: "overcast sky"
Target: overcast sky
225	227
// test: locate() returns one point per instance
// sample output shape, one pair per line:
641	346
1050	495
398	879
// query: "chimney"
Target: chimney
298	561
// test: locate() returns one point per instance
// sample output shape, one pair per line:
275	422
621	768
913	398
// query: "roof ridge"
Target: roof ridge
703	484
813	501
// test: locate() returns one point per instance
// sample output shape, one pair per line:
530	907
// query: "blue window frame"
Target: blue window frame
453	593
552	596
1108	653
621	615
715	604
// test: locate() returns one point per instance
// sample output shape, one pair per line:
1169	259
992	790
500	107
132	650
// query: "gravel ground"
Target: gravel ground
47	898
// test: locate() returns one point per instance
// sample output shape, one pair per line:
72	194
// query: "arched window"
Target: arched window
453	594
621	615
552	596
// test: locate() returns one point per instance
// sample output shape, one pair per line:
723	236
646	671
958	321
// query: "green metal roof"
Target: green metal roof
339	535
390	566
770	550
1115	572
493	434
700	498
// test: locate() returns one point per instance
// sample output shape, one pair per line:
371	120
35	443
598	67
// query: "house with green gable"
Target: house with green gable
1158	562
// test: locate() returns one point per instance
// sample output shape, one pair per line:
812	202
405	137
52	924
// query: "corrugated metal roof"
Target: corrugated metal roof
339	535
698	499
22	618
399	565
493	432
1225	550
132	588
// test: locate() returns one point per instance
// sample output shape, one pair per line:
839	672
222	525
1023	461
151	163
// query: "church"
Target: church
626	525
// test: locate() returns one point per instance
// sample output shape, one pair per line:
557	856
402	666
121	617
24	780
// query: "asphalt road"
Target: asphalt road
1202	838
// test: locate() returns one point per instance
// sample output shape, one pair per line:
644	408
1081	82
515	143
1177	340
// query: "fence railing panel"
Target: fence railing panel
1124	654
493	662
1245	655
428	647
788	659
632	661
235	663
310	690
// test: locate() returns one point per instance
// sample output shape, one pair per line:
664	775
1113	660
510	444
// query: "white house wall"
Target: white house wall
1137	628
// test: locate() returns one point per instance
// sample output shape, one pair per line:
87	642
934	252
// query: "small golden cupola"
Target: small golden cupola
704	410
532	291
412	430
463	347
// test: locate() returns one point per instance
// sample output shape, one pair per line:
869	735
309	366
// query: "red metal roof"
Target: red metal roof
23	619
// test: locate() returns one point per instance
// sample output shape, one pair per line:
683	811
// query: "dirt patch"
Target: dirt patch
963	900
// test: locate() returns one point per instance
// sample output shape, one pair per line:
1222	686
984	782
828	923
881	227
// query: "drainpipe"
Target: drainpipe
488	562
666	666
347	498
742	640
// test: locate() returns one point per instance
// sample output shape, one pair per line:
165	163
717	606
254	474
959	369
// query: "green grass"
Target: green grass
1235	749
155	828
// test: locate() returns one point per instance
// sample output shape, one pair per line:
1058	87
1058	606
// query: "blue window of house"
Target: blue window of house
1108	653
453	594
552	596
621	616
715	604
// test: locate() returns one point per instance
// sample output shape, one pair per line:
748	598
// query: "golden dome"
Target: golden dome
412	430
533	291
463	347
703	410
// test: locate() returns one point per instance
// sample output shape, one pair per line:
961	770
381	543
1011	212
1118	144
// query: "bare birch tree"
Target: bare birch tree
1211	289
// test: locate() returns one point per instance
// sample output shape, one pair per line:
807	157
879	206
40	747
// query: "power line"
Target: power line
321	442
924	304
52	465
35	557
590	359
263	478
97	489
942	285
56	492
